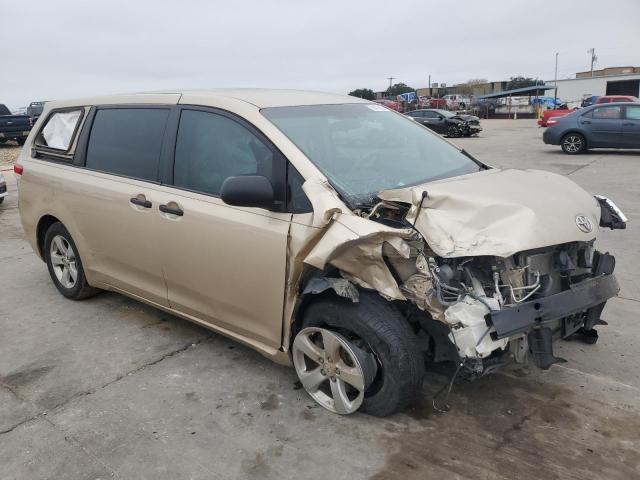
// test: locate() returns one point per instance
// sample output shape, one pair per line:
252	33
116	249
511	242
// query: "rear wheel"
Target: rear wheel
64	264
573	143
358	355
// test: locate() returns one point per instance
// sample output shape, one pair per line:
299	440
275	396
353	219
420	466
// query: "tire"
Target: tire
573	143
453	131
376	326
21	140
1	200
77	289
3	140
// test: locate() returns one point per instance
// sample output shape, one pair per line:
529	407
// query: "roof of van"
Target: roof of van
265	97
259	97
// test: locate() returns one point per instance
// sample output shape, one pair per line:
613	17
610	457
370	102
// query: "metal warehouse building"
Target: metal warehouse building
610	81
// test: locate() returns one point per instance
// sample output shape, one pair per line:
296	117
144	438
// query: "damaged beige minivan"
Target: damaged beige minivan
321	230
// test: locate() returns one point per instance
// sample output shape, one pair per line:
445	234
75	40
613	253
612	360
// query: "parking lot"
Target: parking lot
111	388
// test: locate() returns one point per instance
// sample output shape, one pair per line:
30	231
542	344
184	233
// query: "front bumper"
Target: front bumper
542	321
546	311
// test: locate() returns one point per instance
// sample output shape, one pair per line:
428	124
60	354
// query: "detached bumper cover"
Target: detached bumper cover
538	313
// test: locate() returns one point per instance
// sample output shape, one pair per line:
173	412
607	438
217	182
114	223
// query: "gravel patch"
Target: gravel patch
8	154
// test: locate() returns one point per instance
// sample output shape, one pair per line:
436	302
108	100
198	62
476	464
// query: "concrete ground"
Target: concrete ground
110	388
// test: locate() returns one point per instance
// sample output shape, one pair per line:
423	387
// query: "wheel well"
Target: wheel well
575	132
43	225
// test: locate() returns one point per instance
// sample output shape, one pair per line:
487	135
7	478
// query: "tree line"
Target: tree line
466	88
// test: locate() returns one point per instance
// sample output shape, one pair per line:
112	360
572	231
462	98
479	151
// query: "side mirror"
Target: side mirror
248	191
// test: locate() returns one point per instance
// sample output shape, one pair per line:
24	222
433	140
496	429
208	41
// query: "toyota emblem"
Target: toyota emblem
584	224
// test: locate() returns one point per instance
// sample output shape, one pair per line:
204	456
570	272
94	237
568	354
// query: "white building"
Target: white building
573	90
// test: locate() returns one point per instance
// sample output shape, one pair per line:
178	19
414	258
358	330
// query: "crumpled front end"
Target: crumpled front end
491	267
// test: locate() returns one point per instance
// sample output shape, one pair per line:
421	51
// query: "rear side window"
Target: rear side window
210	148
59	131
633	112
127	141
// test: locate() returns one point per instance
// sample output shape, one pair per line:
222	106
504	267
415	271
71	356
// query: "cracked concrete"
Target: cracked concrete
110	388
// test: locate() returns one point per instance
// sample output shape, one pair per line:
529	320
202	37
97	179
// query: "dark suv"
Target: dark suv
612	125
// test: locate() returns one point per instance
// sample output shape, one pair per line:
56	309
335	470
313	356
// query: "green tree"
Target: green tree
399	88
365	93
522	82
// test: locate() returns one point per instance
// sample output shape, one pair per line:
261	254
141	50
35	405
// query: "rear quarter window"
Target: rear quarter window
60	130
127	141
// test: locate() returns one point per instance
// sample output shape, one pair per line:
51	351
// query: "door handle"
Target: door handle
586	122
628	124
141	202
173	211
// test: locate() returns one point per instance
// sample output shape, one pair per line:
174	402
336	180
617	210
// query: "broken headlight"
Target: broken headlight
610	214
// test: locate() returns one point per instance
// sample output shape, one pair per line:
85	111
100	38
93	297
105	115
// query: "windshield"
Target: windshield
365	148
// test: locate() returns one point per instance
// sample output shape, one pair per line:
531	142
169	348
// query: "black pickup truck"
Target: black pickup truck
14	127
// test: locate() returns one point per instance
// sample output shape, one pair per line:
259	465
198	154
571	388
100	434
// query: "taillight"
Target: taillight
17	169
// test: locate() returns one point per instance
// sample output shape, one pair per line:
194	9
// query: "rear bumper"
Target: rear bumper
547	311
12	135
550	138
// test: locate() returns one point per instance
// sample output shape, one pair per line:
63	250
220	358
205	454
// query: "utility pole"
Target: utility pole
594	59
555	84
391	79
429	84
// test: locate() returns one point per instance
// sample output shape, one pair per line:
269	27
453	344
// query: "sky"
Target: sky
71	48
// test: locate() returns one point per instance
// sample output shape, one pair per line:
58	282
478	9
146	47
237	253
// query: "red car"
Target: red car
437	103
616	98
548	114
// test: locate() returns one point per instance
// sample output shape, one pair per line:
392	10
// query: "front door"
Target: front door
224	265
631	127
435	121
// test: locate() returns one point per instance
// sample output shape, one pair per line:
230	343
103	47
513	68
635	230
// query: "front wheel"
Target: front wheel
21	140
573	143
453	131
358	355
64	264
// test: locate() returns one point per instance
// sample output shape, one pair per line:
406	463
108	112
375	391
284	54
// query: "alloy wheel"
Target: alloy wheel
572	144
329	369
63	260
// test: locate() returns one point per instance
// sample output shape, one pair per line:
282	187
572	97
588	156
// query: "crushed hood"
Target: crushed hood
498	212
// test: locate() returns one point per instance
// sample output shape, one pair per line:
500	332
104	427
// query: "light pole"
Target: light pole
555	84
